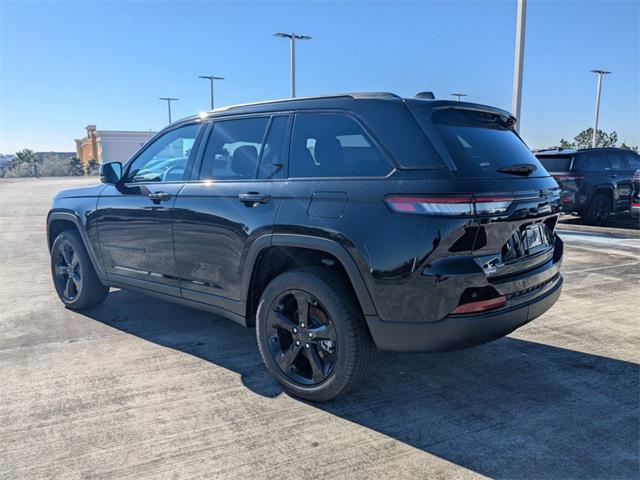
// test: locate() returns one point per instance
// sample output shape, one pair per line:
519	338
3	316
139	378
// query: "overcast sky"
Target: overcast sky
66	65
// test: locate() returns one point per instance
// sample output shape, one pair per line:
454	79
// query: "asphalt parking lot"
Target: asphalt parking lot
140	388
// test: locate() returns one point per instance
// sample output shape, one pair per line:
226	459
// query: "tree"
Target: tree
26	160
583	139
92	167
25	156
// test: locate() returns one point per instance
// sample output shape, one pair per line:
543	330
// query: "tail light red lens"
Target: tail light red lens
481	305
454	205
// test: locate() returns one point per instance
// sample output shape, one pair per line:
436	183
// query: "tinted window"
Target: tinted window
274	153
166	158
556	163
233	149
591	162
480	143
616	162
333	145
633	161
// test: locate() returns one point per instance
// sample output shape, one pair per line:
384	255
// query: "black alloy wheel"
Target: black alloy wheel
74	277
67	271
302	337
312	335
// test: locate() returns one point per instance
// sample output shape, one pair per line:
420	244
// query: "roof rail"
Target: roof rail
357	95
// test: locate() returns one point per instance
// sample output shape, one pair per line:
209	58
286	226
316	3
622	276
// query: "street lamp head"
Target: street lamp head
210	77
170	99
600	72
292	36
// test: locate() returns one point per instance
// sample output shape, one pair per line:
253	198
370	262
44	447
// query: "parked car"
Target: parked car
635	195
595	182
333	225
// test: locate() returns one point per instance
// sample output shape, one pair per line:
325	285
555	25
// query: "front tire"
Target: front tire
312	335
74	277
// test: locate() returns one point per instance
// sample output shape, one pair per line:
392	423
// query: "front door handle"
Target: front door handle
253	198
159	196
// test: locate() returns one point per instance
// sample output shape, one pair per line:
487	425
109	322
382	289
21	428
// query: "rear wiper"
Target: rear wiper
524	169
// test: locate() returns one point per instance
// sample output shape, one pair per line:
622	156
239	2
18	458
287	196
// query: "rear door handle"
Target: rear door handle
159	196
253	198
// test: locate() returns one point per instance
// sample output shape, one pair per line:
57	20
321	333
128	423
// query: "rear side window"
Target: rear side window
233	149
480	143
591	162
556	163
333	145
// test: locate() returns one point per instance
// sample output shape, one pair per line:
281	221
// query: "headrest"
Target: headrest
328	151
244	161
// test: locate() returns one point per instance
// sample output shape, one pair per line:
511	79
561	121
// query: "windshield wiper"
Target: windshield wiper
524	169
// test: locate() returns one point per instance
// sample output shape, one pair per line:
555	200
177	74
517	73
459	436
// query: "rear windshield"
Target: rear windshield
481	143
556	163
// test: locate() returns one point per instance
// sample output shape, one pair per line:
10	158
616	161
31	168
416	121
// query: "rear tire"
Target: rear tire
325	350
598	210
73	274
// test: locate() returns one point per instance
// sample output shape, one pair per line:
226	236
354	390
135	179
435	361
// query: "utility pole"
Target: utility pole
458	95
600	74
293	37
211	79
518	61
169	100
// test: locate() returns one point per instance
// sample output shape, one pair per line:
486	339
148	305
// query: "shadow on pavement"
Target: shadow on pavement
509	409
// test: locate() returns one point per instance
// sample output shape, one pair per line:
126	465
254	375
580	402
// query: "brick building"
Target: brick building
110	145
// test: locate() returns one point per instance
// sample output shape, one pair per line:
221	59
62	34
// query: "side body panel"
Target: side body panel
136	240
213	232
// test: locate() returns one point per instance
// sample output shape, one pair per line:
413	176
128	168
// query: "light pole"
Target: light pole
458	95
600	74
293	37
518	61
169	100
211	79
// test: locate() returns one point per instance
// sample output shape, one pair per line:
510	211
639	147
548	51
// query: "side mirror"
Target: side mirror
111	173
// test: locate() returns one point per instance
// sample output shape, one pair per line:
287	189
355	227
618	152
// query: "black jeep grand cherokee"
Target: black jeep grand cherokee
332	224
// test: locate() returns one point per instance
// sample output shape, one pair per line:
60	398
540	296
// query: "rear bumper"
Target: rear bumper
460	331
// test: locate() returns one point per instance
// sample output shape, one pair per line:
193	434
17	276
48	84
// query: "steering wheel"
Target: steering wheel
168	171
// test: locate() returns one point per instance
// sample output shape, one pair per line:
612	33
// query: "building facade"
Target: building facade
109	145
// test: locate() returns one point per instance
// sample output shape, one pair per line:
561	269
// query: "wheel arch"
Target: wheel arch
60	221
303	244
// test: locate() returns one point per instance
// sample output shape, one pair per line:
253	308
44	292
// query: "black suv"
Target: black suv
595	182
332	224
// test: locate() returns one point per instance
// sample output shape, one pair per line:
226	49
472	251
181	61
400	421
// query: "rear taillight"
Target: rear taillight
453	205
481	305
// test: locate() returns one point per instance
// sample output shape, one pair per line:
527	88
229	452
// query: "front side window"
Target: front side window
632	160
166	158
333	145
233	149
616	161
